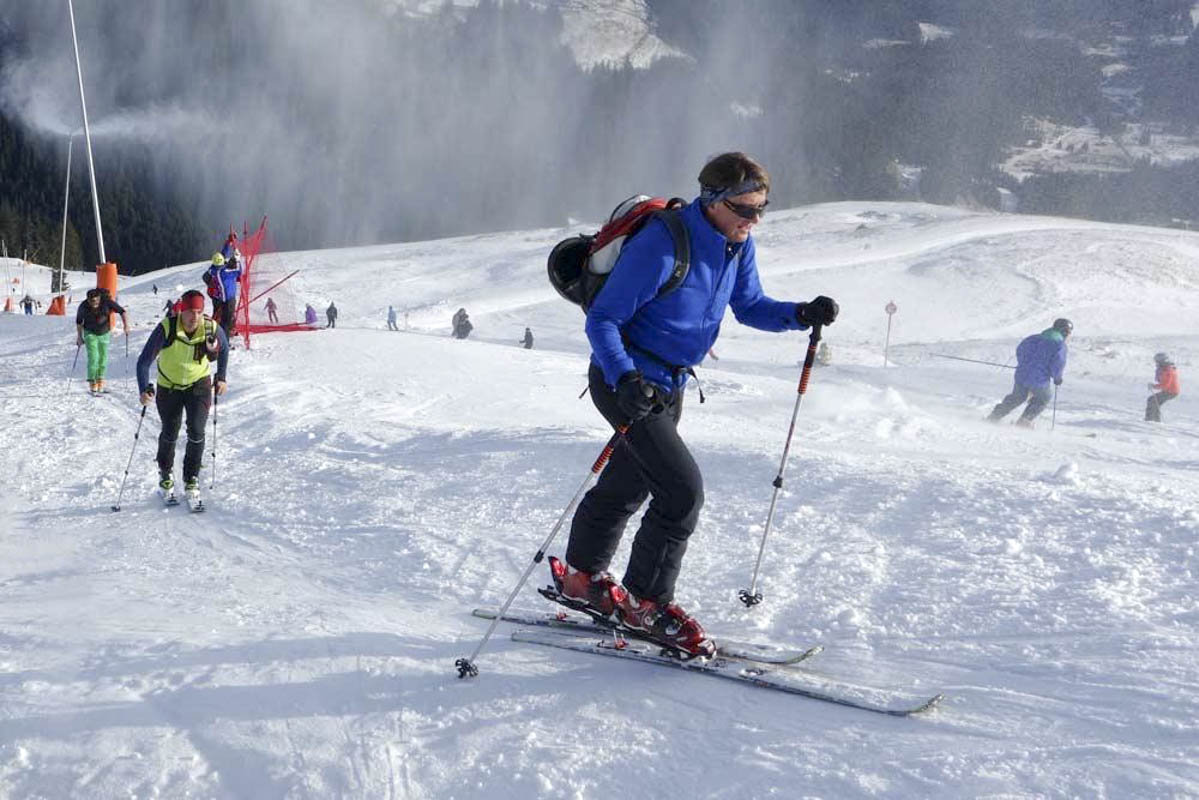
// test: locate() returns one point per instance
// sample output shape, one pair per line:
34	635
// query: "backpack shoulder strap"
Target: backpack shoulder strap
172	328
673	221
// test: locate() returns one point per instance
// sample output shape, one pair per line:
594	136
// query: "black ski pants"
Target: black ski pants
223	311
649	461
1153	407
172	403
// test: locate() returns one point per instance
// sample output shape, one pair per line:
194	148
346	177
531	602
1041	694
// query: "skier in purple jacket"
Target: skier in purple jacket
1039	359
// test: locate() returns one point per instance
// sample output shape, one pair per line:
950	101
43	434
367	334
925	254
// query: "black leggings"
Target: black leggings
650	459
1153	406
171	404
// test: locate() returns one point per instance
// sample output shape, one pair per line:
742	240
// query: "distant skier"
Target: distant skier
643	346
462	325
27	303
1039	358
169	308
92	329
271	308
154	286
528	340
222	279
309	314
824	356
1165	386
331	315
391	319
185	345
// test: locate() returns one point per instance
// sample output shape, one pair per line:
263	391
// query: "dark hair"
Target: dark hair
728	170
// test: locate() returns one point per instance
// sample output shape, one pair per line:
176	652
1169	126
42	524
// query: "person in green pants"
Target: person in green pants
91	328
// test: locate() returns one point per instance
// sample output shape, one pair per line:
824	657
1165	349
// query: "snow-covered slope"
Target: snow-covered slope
372	487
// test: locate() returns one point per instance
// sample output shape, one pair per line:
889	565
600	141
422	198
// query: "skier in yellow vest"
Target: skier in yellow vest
185	344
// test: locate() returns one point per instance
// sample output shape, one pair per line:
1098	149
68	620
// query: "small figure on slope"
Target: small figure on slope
1040	358
1165	387
222	279
92	328
462	324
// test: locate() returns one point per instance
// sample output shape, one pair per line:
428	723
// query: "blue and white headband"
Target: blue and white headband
709	195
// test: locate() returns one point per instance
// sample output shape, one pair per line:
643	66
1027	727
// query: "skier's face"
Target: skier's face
189	318
736	216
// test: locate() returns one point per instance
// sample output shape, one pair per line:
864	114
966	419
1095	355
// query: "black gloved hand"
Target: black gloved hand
633	396
1057	381
821	311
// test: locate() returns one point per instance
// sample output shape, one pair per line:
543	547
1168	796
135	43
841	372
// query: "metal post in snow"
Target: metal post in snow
87	136
66	199
890	308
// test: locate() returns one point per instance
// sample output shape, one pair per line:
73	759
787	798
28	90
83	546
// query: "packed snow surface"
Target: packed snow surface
372	487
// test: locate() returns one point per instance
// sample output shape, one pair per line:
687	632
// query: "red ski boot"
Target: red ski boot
591	593
668	625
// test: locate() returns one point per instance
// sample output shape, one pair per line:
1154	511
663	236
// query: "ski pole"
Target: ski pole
215	398
1053	419
71	374
749	596
136	434
973	360
466	666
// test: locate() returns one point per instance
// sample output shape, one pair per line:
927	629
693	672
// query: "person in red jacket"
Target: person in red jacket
1164	387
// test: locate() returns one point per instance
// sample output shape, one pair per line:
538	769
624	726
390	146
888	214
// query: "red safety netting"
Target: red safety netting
266	302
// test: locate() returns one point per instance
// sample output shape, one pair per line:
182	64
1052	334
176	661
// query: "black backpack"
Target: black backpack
580	265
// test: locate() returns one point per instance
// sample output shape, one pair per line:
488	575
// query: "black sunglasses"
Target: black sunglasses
747	211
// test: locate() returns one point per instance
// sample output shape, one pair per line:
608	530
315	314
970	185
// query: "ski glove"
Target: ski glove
634	397
1057	381
821	311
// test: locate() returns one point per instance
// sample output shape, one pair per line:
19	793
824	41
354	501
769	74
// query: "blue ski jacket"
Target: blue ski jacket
227	279
1040	357
630	327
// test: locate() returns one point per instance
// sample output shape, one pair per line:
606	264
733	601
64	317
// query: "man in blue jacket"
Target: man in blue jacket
643	346
1039	359
223	278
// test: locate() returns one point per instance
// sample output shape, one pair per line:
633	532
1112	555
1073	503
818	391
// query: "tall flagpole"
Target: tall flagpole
87	135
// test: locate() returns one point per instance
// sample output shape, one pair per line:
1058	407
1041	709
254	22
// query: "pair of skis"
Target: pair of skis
766	666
